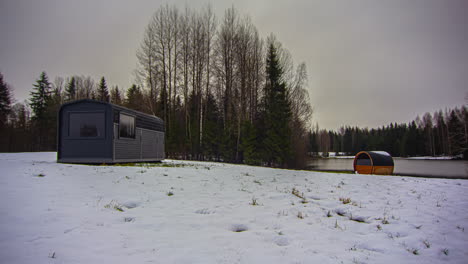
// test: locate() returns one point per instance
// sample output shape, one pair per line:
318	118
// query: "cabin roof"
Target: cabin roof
113	106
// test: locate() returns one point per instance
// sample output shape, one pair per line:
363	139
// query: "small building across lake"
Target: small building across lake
92	131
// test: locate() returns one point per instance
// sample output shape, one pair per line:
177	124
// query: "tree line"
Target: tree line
444	133
224	93
32	125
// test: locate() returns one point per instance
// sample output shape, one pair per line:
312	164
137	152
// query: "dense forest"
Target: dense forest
224	93
445	133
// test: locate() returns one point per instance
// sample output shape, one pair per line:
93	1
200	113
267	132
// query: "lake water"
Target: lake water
428	168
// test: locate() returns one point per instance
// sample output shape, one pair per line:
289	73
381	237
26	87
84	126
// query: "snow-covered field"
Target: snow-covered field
192	212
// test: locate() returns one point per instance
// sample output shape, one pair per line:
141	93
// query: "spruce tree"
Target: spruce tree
456	134
115	96
5	101
212	129
277	112
250	144
134	98
42	114
40	97
70	91
103	92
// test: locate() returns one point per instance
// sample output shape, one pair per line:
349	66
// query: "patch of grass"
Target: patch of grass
345	200
349	201
174	165
41	175
118	208
254	202
359	219
297	193
170	193
337	226
426	243
114	205
414	251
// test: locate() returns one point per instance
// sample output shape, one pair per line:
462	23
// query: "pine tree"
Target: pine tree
194	126
134	98
277	112
103	92
115	96
43	114
40	97
70	91
456	134
250	144
441	137
5	102
411	136
212	129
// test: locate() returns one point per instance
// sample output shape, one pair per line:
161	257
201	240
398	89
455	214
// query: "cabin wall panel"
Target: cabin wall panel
127	148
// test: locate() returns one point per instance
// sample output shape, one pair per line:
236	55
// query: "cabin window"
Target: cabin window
86	125
127	126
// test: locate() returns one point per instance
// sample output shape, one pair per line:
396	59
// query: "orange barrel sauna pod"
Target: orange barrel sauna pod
373	162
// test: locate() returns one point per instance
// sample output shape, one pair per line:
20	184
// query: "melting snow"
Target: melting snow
193	212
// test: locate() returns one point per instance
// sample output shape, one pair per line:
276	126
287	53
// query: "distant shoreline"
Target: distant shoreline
454	177
406	158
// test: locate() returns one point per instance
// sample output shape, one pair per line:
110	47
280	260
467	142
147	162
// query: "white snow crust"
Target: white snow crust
198	212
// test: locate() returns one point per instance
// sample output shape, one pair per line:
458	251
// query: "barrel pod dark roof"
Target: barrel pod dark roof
373	162
92	131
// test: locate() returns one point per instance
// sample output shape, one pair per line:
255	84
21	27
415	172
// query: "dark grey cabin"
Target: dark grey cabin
92	131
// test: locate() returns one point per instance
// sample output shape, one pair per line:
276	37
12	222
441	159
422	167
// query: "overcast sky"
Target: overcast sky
369	62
